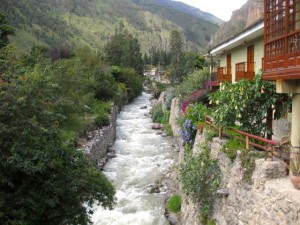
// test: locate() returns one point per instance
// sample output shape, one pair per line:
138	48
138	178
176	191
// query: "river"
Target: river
142	157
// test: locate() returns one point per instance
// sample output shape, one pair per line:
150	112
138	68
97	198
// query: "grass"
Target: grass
174	204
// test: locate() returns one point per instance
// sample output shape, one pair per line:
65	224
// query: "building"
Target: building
282	54
241	56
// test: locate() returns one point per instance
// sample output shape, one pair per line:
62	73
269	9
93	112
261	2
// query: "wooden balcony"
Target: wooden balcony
282	58
282	39
224	74
244	70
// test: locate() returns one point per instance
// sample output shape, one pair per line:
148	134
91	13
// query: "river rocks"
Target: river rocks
156	126
144	107
109	155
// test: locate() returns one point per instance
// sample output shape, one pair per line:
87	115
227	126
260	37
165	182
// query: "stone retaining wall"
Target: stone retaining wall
102	139
270	200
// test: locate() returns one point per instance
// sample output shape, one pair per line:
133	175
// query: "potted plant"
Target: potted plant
295	167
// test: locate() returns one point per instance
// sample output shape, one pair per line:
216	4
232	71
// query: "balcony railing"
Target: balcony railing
224	74
282	58
244	70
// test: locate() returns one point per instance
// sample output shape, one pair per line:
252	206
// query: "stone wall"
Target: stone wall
102	139
270	200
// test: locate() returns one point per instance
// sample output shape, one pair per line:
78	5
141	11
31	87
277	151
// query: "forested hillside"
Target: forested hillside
92	22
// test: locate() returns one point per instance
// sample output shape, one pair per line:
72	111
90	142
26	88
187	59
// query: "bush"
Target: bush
187	132
231	147
192	83
157	113
196	113
200	177
102	120
174	204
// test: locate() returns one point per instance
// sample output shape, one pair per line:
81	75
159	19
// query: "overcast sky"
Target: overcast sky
220	8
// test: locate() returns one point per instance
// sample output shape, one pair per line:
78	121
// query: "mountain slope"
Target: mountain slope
250	12
93	22
193	11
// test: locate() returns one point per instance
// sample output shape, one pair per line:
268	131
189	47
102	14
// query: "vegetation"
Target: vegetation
174	204
48	97
200	177
91	23
248	103
44	180
5	30
195	81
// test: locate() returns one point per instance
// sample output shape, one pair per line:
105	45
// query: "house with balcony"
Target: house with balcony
282	56
241	56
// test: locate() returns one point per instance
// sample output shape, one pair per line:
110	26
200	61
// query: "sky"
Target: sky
219	8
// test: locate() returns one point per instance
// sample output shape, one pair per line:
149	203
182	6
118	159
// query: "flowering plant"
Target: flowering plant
187	132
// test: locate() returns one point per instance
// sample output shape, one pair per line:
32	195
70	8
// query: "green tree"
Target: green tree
124	50
177	56
43	179
5	30
248	102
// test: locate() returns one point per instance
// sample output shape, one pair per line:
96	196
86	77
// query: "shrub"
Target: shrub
196	113
157	113
102	120
187	132
174	204
169	96
231	147
200	177
192	83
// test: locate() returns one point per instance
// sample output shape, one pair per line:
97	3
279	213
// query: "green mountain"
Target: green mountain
92	22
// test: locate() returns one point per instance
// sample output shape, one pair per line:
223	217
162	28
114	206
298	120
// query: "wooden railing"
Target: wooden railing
244	70
282	57
249	139
224	74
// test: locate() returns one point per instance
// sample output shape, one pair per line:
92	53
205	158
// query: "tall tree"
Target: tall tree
177	63
5	30
124	50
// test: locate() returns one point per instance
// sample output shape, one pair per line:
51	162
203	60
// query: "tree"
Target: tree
177	62
5	30
248	102
43	179
124	50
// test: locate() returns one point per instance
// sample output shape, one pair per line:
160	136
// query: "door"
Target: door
229	64
250	59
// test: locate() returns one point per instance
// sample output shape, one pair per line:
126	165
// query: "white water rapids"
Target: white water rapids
142	157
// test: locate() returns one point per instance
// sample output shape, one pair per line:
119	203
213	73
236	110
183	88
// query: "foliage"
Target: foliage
5	30
124	50
196	113
231	148
169	97
248	162
157	113
248	102
132	81
210	133
191	83
200	177
80	22
174	204
187	132
43	180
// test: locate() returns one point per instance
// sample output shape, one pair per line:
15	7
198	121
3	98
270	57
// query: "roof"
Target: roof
250	33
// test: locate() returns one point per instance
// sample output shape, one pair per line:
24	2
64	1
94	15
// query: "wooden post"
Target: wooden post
247	143
220	132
